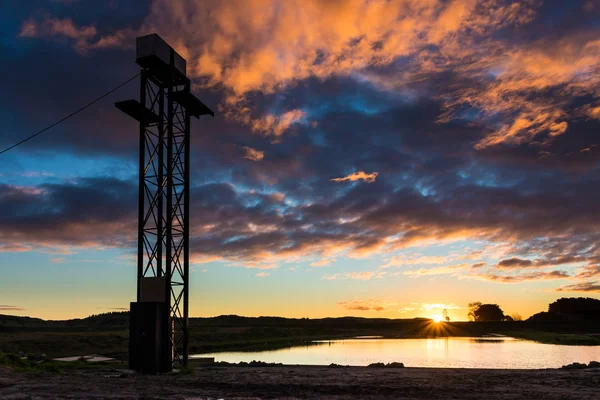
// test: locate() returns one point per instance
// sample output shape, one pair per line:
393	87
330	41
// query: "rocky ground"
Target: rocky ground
297	382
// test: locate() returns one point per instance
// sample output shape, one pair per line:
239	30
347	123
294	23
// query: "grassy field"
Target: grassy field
61	344
108	334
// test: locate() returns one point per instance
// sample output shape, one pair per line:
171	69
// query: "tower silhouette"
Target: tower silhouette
159	335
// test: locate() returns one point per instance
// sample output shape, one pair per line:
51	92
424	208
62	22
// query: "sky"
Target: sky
369	158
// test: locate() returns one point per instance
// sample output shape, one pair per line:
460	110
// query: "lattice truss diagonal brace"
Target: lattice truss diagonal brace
164	110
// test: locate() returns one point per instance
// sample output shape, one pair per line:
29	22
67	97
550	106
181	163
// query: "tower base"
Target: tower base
147	352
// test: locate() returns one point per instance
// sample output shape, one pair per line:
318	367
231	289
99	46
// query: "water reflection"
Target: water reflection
448	352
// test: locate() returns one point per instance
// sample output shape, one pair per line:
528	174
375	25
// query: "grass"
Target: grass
57	344
24	365
45	366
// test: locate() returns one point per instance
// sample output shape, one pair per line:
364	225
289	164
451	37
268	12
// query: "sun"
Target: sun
437	318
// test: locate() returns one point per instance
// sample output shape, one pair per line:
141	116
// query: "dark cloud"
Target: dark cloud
89	211
5	307
515	263
525	276
589	271
593	286
364	305
246	224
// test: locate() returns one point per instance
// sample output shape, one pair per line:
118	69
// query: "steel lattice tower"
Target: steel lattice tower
159	318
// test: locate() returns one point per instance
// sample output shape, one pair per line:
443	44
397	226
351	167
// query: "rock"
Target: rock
594	364
395	365
574	366
223	364
4	383
382	365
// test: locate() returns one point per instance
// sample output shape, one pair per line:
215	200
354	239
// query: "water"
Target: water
456	352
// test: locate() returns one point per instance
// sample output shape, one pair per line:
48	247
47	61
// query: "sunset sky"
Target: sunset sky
367	158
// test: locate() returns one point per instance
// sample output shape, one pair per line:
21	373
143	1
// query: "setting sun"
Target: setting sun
437	318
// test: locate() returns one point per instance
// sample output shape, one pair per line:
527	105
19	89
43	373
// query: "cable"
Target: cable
70	115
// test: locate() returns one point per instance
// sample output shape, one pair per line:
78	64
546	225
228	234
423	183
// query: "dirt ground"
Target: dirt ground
291	382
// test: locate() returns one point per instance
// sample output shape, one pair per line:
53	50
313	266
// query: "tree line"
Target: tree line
562	309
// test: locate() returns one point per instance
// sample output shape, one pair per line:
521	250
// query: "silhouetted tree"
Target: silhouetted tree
516	317
576	306
485	312
445	314
472	308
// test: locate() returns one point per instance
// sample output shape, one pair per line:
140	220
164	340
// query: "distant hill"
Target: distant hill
106	321
564	315
120	320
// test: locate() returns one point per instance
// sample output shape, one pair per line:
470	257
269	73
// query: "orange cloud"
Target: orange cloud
256	265
247	49
589	271
367	305
590	111
355	176
322	262
253	154
264	46
276	125
570	66
51	26
15	248
268	44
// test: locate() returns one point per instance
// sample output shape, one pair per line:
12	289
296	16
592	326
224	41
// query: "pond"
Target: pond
453	352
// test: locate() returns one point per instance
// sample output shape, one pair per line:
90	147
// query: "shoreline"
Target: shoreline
306	382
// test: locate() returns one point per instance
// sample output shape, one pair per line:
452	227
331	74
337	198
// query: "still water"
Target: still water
457	352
